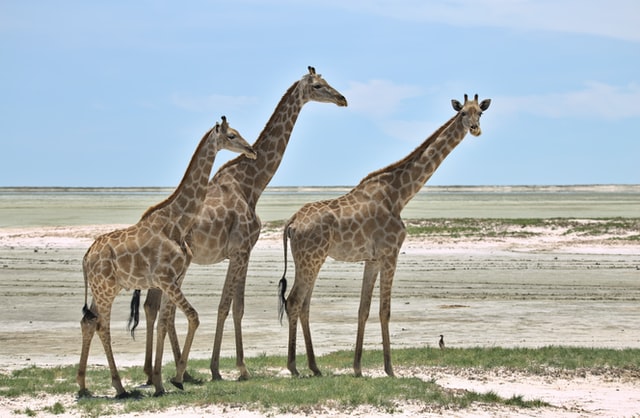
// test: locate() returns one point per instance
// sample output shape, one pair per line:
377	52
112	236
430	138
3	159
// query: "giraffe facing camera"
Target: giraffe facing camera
364	225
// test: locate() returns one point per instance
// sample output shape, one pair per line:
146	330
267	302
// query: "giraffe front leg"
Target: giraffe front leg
366	294
223	312
161	332
386	281
214	366
238	314
151	308
175	345
177	298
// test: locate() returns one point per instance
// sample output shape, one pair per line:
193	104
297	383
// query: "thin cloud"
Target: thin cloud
596	100
619	19
378	98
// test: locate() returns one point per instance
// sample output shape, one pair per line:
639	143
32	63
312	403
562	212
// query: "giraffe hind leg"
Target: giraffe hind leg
88	326
104	332
306	332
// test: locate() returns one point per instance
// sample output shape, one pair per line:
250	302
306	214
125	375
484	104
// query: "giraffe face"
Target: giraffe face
470	113
230	139
315	88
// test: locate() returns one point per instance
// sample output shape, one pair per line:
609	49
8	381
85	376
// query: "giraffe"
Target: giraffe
364	225
228	226
152	253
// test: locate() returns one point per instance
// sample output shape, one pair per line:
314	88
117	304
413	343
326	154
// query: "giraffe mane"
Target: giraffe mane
263	135
415	153
173	195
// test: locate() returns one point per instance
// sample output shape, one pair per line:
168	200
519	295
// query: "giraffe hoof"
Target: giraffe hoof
84	393
159	393
190	379
123	395
179	385
194	381
294	372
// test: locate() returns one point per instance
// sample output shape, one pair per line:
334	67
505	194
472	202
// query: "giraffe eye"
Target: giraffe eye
231	136
317	86
463	113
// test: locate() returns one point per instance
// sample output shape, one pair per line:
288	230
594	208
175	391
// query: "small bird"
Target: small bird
441	342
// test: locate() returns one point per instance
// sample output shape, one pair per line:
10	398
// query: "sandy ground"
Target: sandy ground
553	289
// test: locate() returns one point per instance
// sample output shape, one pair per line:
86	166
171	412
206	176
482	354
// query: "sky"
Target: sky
119	93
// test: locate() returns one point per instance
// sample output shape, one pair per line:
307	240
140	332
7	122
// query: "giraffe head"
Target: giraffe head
230	139
470	113
313	87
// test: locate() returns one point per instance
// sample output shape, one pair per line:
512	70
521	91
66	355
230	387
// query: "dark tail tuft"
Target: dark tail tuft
87	314
282	301
134	317
282	284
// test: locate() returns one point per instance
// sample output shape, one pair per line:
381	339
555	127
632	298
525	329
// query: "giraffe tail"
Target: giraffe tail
134	316
282	284
282	301
86	312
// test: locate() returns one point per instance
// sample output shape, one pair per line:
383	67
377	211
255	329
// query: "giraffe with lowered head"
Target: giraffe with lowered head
228	226
152	253
365	225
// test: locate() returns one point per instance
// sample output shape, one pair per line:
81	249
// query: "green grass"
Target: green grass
624	229
489	227
271	392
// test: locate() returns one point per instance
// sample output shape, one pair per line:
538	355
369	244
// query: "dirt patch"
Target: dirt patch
508	291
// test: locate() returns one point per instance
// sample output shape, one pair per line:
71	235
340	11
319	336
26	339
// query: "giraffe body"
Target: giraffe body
364	225
228	226
151	254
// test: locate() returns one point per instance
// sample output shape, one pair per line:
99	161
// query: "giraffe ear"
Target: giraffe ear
484	105
457	106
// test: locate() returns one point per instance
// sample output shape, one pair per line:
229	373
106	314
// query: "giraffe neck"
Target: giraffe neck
178	212
401	181
254	176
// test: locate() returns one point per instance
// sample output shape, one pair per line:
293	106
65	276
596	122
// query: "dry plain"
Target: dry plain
541	287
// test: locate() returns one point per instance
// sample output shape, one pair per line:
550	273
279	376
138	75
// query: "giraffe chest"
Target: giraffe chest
220	235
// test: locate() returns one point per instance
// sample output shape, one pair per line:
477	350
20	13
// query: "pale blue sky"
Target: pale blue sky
118	93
